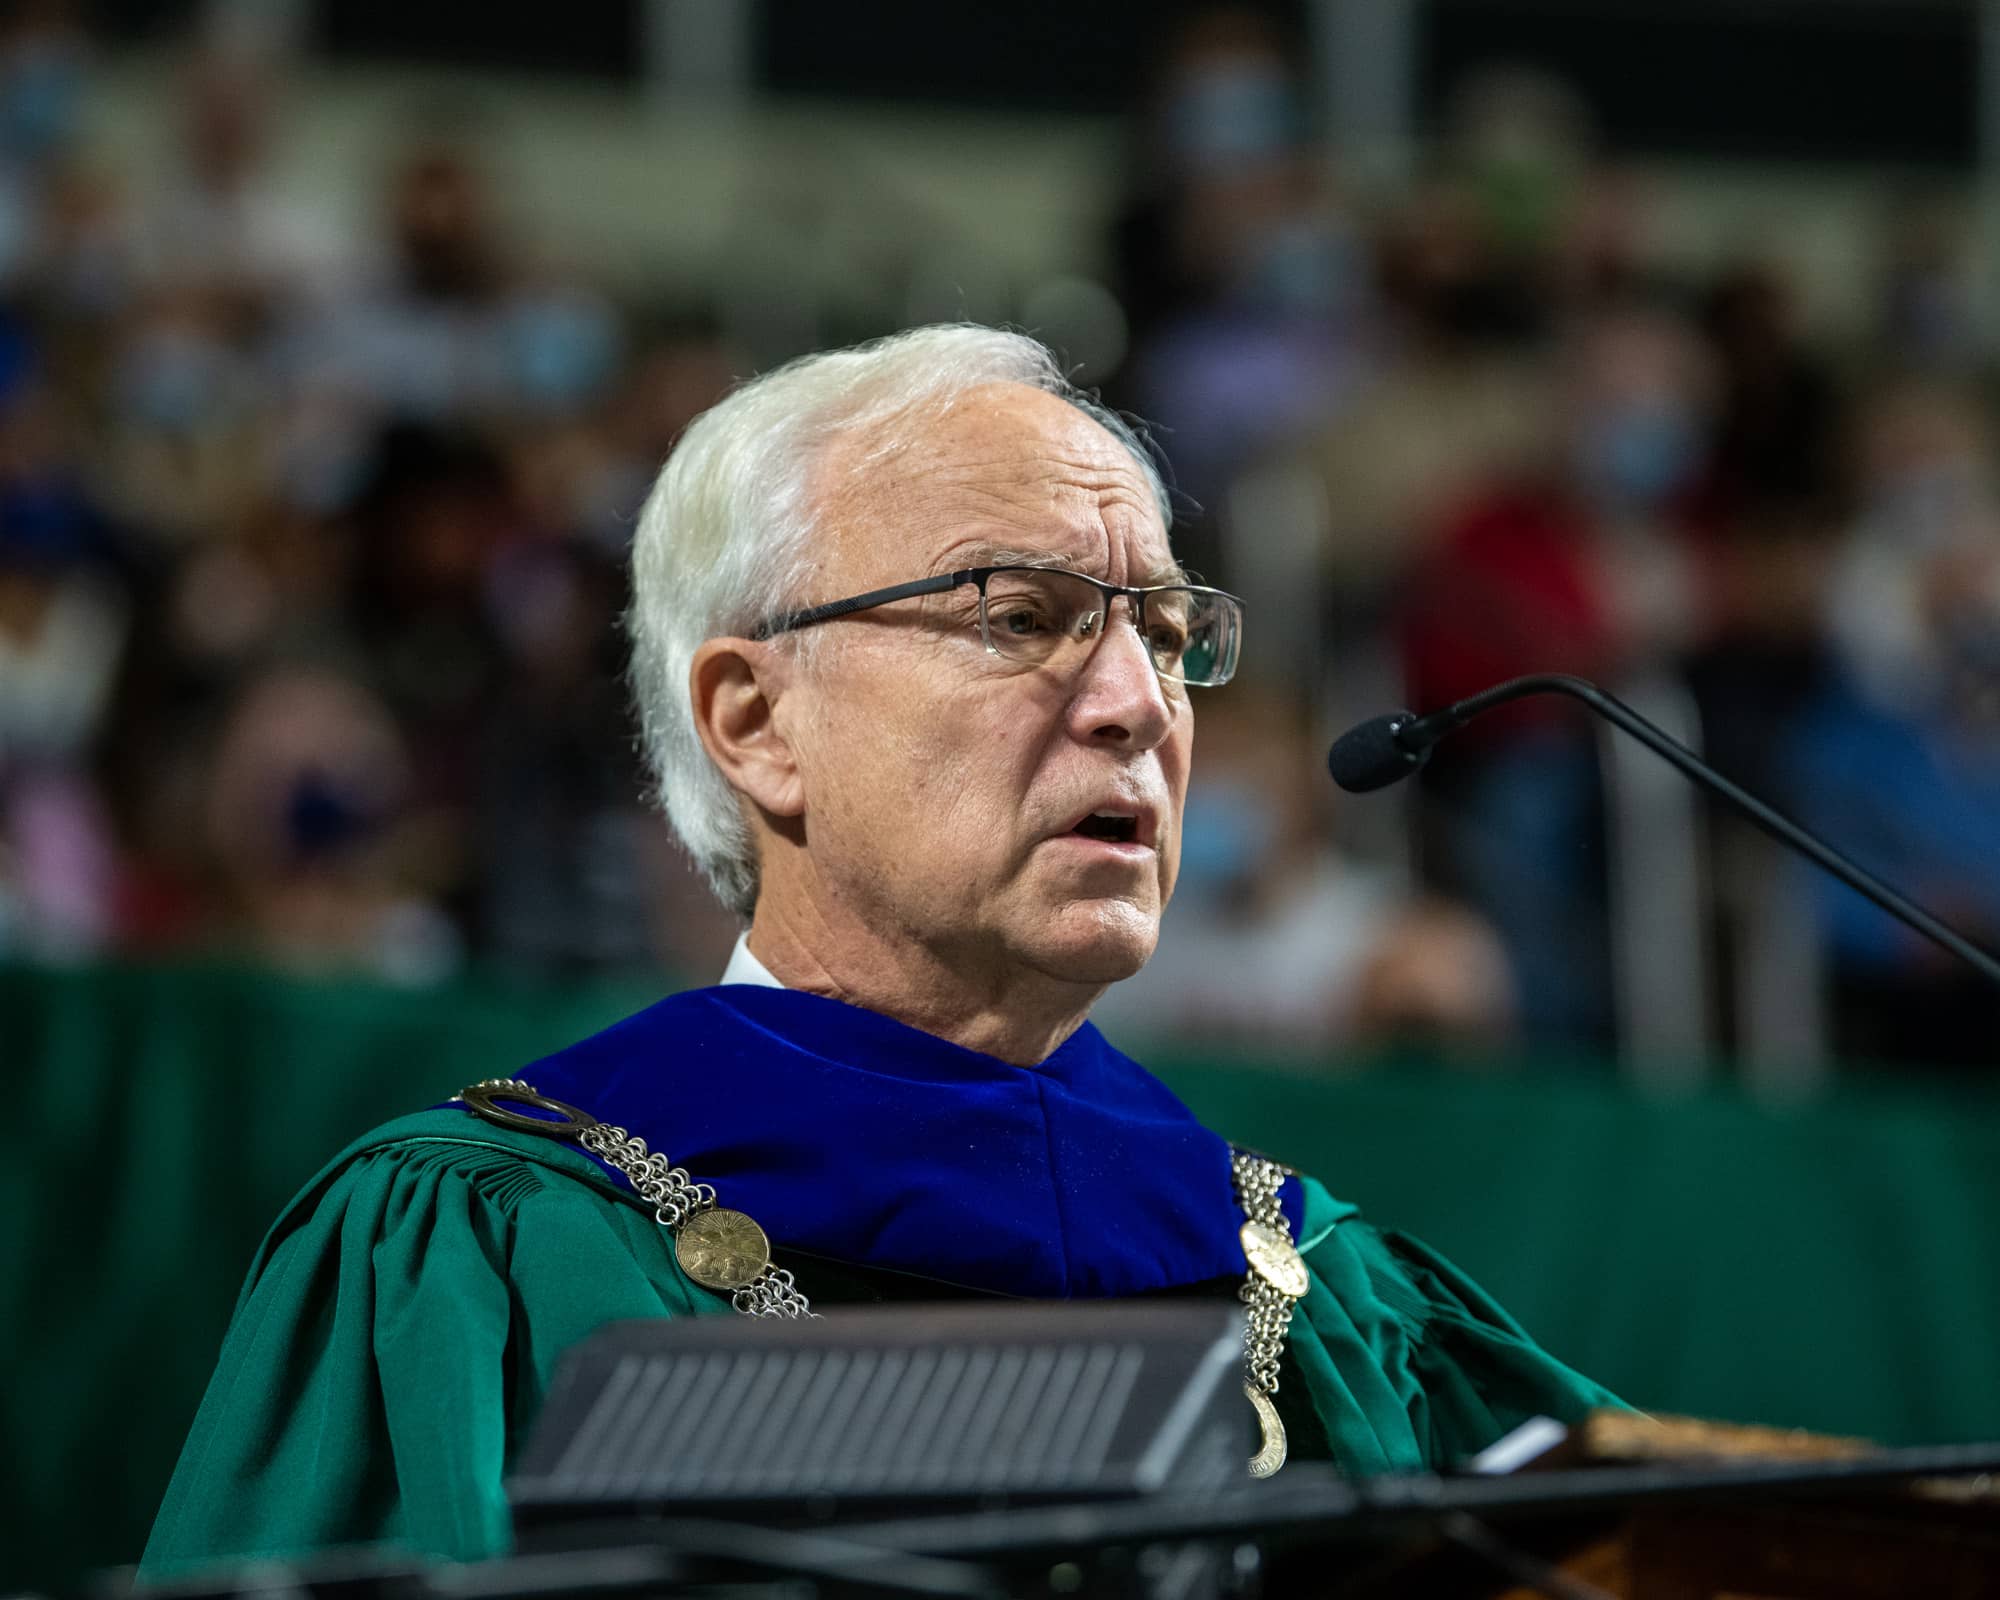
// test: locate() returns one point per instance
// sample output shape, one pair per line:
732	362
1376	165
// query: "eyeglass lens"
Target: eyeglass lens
1034	615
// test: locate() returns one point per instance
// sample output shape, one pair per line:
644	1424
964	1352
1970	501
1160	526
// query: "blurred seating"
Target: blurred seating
313	507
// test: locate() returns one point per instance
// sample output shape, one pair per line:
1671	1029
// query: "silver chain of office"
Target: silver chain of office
1258	1179
676	1199
720	1249
726	1251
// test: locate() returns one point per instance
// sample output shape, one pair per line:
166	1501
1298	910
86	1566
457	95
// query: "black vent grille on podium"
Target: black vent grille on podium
905	1404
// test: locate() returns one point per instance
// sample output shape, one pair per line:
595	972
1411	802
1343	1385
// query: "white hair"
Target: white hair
727	535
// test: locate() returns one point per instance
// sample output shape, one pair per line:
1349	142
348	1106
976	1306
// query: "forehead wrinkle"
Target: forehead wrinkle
1107	464
1076	531
985	554
1025	488
1020	434
996	477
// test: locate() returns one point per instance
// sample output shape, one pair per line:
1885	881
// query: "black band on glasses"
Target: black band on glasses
1229	610
787	621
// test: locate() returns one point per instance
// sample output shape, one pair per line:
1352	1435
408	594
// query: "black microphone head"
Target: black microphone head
1371	757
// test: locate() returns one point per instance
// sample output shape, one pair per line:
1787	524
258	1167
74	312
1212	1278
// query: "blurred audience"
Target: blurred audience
1244	279
1274	937
310	557
1577	561
312	530
1897	750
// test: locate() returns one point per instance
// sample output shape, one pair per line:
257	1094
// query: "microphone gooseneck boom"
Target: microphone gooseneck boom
1385	749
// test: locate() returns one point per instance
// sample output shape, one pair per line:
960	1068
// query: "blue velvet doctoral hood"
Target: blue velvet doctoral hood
856	1137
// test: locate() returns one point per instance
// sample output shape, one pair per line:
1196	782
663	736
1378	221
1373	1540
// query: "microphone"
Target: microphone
1374	754
1384	750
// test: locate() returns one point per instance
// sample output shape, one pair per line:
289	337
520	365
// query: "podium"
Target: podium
992	1452
1621	1504
1930	1536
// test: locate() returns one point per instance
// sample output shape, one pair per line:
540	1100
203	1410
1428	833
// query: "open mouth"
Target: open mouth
1105	825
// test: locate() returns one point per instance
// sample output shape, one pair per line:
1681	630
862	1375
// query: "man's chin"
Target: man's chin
1095	942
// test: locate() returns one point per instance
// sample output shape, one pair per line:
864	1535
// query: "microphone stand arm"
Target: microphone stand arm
1418	734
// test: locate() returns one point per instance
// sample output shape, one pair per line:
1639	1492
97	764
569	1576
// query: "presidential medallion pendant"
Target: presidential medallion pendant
722	1249
1271	1453
1274	1258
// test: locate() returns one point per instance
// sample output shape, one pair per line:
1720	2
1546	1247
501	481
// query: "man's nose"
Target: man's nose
1119	697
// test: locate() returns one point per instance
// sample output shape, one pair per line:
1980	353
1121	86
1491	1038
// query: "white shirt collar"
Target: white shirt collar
745	968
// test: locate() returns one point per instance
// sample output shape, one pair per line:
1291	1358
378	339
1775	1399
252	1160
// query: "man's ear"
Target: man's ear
734	686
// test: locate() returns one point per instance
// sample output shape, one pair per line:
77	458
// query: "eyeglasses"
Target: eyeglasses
1049	616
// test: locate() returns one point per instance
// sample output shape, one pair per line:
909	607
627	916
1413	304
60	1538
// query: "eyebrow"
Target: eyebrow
993	555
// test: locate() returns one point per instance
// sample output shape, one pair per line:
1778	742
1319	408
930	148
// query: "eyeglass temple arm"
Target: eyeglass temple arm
859	602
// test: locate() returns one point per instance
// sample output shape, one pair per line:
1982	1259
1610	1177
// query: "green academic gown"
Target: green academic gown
404	1317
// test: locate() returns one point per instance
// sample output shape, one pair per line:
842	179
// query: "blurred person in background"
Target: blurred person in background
1513	231
1927	509
566	854
418	337
575	874
456	319
1927	306
184	445
224	613
305	819
437	524
599	475
581	876
226	221
226	265
1768	510
1912	699
65	613
44	58
1245	280
66	240
1778	411
415	337
1275	939
1584	566
1452	406
453	321
1517	152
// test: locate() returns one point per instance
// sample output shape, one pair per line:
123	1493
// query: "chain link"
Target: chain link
772	1294
675	1196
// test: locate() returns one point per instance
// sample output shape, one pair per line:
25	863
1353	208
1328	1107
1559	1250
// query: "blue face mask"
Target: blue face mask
41	97
1637	455
327	817
176	381
1227	830
1924	506
1305	266
18	226
562	350
1233	114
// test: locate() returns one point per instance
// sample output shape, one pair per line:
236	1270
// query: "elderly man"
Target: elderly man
917	671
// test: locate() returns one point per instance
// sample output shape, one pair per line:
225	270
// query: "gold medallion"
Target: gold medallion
1271	1453
1272	1258
722	1249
